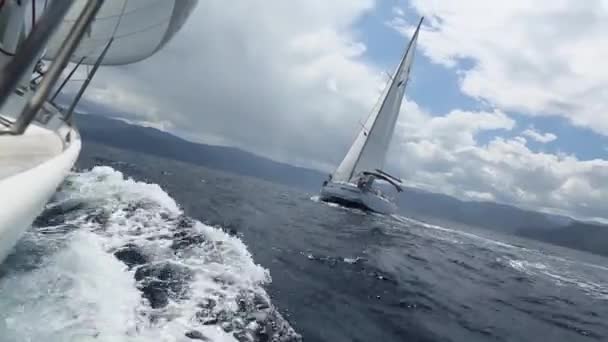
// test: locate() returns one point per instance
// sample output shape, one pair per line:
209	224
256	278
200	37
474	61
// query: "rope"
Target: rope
33	14
8	53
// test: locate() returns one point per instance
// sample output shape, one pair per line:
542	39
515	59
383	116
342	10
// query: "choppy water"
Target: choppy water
184	252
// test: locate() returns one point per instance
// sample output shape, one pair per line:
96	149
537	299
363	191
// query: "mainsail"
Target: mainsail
139	28
368	152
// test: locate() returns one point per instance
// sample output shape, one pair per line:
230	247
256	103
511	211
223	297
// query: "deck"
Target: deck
23	152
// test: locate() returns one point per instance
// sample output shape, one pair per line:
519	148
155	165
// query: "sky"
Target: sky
507	100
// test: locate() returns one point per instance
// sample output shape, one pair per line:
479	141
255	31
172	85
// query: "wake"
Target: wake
117	260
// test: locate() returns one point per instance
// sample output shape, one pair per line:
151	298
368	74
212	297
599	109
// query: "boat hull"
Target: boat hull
350	195
24	194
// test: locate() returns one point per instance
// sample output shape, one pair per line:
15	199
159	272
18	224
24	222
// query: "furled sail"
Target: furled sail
139	28
368	152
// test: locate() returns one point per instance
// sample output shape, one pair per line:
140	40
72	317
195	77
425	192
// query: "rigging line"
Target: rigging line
8	53
378	99
67	78
122	13
142	8
397	73
147	28
373	109
92	47
390	76
6	122
33	14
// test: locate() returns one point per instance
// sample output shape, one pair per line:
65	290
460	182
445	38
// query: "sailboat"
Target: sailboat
39	142
352	184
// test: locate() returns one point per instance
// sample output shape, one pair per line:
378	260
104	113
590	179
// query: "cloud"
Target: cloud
285	81
535	57
538	136
479	196
503	170
457	128
292	82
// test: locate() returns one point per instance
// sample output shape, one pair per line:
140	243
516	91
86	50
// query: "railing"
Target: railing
31	49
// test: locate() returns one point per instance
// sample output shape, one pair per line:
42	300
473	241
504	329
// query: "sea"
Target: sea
139	248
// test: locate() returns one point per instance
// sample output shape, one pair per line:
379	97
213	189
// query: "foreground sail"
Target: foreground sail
39	144
352	182
138	28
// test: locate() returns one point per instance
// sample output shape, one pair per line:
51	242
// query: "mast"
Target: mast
396	80
368	151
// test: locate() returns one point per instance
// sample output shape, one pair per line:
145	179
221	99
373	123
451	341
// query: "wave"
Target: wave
125	264
454	232
562	276
587	277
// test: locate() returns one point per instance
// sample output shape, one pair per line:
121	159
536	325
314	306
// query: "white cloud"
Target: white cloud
538	136
479	196
277	79
538	57
398	11
505	170
458	128
290	82
163	125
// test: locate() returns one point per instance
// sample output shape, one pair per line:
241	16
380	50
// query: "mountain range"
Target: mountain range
416	203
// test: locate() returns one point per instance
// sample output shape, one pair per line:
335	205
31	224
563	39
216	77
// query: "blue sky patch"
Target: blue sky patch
436	89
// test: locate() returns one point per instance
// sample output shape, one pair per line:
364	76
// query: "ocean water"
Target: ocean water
138	248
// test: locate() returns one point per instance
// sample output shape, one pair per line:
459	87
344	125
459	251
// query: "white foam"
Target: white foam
352	260
525	266
562	275
559	270
408	220
317	199
108	187
84	292
81	292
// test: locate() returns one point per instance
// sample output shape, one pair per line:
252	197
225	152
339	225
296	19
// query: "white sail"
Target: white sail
139	28
368	152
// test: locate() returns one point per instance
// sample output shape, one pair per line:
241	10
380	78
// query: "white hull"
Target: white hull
28	182
350	195
37	148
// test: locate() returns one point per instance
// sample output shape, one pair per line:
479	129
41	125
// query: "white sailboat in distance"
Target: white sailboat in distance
352	184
